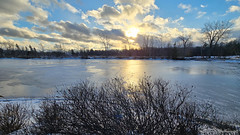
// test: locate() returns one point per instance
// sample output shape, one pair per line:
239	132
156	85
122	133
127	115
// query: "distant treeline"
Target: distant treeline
170	52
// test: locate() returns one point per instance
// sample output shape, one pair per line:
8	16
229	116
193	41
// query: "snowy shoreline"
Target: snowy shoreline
229	59
207	127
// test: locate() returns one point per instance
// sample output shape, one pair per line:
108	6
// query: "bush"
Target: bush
12	118
48	118
149	107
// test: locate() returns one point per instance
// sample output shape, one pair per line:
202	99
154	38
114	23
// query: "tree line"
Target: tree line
214	43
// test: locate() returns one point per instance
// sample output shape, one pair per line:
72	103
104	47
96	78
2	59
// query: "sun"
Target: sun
132	32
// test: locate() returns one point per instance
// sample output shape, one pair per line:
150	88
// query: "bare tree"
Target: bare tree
148	44
105	40
185	39
148	41
185	42
214	32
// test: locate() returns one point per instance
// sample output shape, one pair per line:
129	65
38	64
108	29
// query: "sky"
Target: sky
77	24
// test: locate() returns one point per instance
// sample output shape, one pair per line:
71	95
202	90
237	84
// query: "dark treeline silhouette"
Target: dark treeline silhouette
170	52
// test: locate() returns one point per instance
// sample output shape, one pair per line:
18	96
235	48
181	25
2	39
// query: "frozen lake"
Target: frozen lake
217	81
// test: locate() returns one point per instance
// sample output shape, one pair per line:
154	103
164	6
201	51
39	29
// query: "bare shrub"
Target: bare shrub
150	107
49	118
12	118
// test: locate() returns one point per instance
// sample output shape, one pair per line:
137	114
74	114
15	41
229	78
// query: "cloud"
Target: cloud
42	3
18	32
233	0
123	14
158	20
7	20
196	34
62	4
2	40
38	17
149	28
10	9
201	14
114	20
234	9
104	13
69	27
236	24
65	5
178	20
146	4
13	6
203	6
25	33
236	27
69	30
187	8
46	37
115	34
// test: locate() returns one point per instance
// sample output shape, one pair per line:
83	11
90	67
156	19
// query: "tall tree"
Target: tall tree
185	42
105	40
214	32
148	44
185	39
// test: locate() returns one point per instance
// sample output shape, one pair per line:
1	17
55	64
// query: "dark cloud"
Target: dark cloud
12	6
152	26
39	29
14	32
74	28
77	37
50	39
109	12
115	34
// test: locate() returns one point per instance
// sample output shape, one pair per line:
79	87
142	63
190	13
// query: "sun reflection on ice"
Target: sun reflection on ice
133	71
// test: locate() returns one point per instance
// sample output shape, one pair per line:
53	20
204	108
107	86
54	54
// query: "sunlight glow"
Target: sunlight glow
132	32
131	41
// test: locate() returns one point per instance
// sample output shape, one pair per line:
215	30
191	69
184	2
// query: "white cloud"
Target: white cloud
178	20
236	23
60	3
146	4
9	12
196	34
233	0
158	20
201	14
234	9
203	6
106	12
187	8
71	8
236	27
149	18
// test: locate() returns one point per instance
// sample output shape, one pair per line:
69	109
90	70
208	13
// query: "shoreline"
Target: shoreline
196	58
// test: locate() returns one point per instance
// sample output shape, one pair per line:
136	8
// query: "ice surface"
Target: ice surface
215	80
